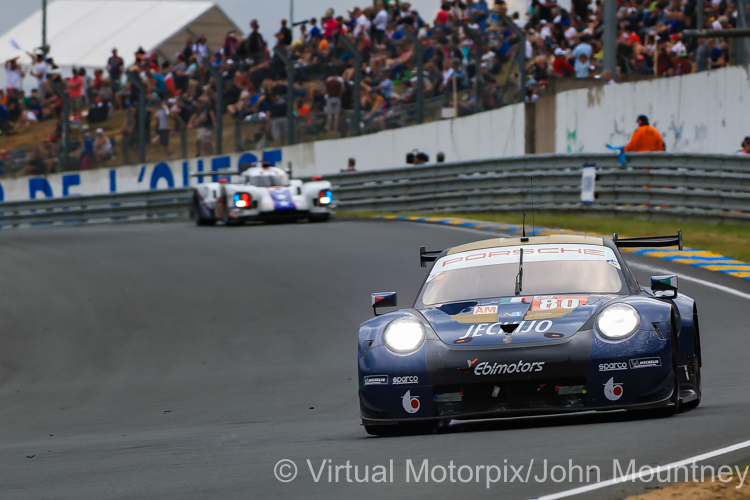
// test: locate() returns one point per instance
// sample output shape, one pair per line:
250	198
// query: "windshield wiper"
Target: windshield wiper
519	276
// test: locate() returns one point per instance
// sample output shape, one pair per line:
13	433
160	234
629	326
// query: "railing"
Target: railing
686	185
139	206
716	187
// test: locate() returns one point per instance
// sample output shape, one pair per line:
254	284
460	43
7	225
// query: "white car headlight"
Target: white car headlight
404	334
618	321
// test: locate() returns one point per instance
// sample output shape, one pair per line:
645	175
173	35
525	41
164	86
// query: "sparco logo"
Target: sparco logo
411	379
608	367
485	368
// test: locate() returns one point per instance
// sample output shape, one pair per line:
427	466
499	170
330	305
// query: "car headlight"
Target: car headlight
404	334
618	321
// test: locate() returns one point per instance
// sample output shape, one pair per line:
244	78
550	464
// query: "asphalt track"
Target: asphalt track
170	361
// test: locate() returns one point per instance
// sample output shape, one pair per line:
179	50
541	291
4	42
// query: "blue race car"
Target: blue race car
528	326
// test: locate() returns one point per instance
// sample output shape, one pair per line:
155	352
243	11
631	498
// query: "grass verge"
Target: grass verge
728	240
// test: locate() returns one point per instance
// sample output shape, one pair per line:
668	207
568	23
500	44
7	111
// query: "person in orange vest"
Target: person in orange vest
645	138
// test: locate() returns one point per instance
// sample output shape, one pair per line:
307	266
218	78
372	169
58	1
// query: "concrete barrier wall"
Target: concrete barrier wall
494	134
706	112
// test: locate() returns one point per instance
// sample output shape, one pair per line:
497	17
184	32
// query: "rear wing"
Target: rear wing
426	256
218	173
649	242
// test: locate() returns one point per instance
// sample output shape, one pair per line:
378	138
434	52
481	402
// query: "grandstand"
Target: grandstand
207	87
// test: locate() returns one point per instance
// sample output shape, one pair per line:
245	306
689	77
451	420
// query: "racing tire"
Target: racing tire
697	366
320	218
674	399
407	429
225	213
196	214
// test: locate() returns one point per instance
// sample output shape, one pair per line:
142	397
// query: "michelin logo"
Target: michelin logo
376	379
645	363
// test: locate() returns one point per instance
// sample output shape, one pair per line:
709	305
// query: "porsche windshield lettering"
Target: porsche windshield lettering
548	270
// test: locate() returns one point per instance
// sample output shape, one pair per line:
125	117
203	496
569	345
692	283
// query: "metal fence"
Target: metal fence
140	206
649	185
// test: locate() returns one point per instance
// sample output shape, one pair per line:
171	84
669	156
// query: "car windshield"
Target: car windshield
268	180
547	270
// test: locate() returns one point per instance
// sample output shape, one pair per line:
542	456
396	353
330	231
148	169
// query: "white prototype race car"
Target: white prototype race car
263	193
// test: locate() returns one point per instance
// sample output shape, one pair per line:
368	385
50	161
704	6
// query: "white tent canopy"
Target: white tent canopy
83	32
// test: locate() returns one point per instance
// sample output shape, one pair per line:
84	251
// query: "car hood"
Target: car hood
513	320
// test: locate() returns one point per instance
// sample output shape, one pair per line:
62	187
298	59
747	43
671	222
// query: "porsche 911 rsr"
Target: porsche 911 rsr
262	193
528	326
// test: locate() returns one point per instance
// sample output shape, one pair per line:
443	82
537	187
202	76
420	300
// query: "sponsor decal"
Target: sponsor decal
570	389
613	262
610	367
436	277
645	362
507	340
282	198
410	403
515	300
448	397
469	363
376	379
495	391
485	310
485	368
612	391
511	314
494	328
409	379
553	306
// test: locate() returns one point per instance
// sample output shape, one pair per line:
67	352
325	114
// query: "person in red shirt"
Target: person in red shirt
331	26
443	16
561	66
75	92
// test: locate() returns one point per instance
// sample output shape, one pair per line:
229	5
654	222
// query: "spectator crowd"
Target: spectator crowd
181	93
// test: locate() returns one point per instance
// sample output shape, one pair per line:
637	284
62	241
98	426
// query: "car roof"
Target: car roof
532	240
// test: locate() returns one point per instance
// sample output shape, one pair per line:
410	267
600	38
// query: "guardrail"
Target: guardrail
649	185
156	205
689	185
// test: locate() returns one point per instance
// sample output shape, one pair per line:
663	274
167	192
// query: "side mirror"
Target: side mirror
384	299
664	286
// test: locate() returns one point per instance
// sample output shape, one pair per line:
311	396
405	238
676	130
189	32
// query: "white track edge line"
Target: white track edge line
634	477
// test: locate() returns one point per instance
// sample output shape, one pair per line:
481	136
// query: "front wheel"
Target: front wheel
674	399
228	221
697	362
198	215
